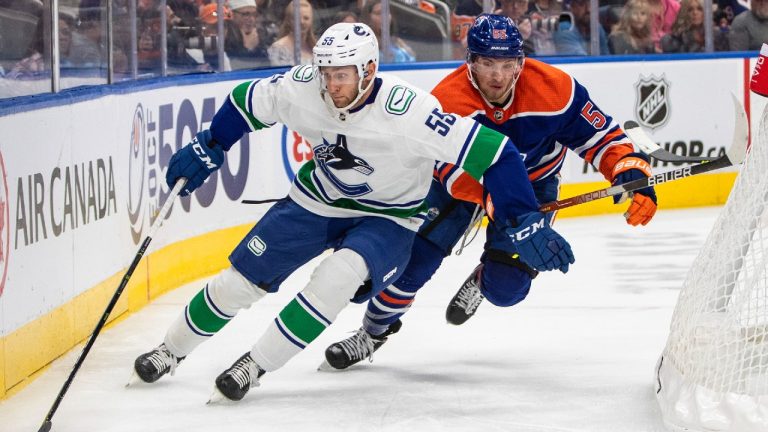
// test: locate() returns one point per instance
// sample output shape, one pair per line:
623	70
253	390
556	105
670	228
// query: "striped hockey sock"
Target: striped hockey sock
201	319
297	325
387	307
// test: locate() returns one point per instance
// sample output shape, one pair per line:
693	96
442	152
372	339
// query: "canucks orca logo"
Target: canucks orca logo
338	157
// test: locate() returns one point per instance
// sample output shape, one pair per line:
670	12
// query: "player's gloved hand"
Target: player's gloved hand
632	167
195	161
538	244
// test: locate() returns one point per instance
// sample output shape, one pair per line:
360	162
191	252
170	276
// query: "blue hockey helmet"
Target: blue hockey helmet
494	36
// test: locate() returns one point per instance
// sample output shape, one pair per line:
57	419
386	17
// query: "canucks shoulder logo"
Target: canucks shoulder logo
337	156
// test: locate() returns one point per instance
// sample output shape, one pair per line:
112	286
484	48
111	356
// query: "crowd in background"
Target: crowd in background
263	33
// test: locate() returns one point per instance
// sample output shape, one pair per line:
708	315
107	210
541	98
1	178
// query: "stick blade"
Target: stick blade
646	144
45	427
738	150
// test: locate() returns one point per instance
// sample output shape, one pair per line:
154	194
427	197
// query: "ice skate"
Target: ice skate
151	366
466	301
234	383
351	350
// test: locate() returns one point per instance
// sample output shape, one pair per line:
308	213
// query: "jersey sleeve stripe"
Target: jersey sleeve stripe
468	142
583	149
608	138
485	149
241	97
614	138
550	167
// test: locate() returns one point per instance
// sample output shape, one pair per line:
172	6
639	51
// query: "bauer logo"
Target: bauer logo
5	229
652	106
296	151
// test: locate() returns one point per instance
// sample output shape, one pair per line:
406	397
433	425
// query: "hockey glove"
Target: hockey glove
196	161
632	167
538	244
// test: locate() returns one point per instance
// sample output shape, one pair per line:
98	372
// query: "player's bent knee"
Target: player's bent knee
337	278
231	291
504	285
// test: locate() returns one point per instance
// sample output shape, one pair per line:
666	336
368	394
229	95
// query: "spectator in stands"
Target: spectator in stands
538	40
722	29
182	12
399	51
148	47
573	38
93	25
75	50
514	9
749	29
526	32
687	33
205	50
281	52
545	8
244	40
731	8
663	15
346	16
632	34
545	16
462	18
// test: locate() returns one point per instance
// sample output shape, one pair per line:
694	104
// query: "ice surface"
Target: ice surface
577	355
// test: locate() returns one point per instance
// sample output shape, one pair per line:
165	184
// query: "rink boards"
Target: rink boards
82	177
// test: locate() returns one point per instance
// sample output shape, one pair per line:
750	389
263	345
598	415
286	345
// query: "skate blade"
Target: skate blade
217	397
133	380
326	367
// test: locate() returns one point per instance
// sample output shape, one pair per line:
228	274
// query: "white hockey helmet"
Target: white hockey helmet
347	44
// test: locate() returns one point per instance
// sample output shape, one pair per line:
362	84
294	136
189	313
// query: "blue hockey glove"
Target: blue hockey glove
635	166
538	244
195	161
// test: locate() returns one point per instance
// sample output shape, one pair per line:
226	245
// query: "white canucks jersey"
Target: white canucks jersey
376	160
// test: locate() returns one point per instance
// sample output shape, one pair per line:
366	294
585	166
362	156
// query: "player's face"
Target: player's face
341	84
496	76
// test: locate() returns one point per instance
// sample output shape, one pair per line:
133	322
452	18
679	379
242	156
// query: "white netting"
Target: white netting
713	374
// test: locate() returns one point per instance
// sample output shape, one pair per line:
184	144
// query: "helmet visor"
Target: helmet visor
335	76
504	68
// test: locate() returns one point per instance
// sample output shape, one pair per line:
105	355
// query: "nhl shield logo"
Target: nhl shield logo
652	103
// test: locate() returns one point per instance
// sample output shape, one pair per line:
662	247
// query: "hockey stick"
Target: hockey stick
46	426
733	156
648	146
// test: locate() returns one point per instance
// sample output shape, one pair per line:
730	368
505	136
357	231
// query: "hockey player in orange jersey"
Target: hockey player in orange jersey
545	112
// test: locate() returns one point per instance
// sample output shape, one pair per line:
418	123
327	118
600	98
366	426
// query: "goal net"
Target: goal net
713	373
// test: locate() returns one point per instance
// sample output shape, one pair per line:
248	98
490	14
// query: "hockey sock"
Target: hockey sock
386	308
210	310
332	285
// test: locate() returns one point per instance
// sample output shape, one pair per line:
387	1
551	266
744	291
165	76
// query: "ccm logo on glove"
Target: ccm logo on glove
202	154
531	229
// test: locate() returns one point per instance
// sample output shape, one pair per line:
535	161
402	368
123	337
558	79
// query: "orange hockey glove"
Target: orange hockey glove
632	167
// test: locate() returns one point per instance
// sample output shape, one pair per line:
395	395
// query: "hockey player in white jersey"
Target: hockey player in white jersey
375	140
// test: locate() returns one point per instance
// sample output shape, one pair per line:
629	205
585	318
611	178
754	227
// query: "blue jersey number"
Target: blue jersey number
440	122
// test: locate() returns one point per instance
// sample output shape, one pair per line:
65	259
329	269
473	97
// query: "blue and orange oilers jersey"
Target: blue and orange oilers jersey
549	114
